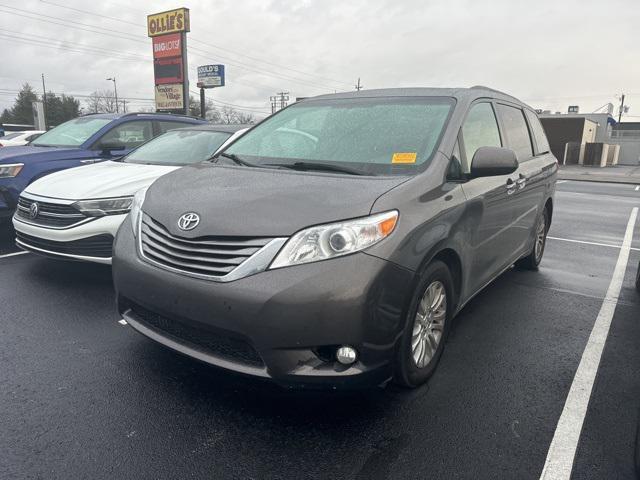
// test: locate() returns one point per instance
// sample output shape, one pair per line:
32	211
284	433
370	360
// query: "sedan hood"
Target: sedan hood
100	180
243	201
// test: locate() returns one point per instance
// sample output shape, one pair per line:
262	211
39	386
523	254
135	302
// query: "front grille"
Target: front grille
49	214
209	256
218	343
96	246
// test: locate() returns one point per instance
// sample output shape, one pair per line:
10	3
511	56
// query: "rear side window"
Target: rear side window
538	132
516	131
480	129
130	134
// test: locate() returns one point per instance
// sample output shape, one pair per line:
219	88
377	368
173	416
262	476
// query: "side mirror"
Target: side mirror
493	161
111	146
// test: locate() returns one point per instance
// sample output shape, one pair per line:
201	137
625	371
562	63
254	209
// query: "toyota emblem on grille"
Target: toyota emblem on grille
188	221
34	209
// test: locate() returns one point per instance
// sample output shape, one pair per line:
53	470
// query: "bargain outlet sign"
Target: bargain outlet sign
166	46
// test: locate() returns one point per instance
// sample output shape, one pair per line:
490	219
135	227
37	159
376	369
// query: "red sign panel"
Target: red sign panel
169	45
168	70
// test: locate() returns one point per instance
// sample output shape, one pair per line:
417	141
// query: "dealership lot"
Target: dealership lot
85	397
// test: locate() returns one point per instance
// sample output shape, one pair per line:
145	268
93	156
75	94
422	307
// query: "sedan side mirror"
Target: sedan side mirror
111	146
493	161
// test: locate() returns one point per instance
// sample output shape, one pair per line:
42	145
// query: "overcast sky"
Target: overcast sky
550	54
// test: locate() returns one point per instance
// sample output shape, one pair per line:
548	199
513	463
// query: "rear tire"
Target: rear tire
426	328
533	259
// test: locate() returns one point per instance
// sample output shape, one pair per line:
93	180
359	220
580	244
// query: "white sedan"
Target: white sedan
74	214
17	139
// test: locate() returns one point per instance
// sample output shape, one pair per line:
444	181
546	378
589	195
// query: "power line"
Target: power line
235	52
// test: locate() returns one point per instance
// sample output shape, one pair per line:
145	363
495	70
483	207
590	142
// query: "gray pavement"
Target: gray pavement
616	174
84	397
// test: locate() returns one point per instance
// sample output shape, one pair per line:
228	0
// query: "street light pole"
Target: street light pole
115	91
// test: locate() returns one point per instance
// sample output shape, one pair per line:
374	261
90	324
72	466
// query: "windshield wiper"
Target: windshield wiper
326	167
235	158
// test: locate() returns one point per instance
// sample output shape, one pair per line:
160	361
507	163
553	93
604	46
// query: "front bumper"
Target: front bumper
80	242
281	324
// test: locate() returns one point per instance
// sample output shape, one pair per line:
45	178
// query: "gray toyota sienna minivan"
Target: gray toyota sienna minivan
334	242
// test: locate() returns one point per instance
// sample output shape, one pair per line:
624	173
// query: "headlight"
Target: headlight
10	170
136	209
104	206
335	239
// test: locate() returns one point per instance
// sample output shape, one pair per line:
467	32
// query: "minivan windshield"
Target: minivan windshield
179	147
371	136
72	133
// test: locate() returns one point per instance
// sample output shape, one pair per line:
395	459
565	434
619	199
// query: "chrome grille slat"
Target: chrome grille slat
244	252
250	242
223	261
207	256
177	263
50	214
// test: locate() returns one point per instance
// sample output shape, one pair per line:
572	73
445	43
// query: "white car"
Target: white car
17	139
74	214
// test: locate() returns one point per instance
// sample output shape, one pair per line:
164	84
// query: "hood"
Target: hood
29	153
99	180
247	201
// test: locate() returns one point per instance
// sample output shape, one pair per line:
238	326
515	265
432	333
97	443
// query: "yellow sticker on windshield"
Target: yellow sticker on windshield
404	157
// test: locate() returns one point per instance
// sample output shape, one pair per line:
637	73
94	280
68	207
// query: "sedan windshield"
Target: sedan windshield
179	147
72	133
390	135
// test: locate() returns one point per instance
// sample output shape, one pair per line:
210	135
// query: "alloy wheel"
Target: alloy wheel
541	232
428	326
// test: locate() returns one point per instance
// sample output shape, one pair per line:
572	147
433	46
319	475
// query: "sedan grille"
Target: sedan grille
54	215
97	246
204	256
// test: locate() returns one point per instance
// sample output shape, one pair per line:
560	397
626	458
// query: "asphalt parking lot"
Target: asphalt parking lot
84	397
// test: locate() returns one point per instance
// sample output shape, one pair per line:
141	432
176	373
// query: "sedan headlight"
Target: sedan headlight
104	206
335	239
10	170
136	209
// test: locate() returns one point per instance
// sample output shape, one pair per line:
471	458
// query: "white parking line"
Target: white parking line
6	255
561	181
637	188
590	243
562	450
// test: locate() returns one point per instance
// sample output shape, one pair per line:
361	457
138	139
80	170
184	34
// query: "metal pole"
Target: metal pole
44	102
202	106
115	91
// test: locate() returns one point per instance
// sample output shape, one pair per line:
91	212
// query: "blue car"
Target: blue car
83	140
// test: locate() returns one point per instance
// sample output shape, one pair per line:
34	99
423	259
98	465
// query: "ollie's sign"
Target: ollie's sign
171	21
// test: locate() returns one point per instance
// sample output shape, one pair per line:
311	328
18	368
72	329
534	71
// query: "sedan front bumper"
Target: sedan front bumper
282	324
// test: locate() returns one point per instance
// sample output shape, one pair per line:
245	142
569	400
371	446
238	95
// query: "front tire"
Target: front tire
533	259
427	326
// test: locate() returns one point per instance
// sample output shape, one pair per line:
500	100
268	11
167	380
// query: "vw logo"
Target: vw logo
34	209
188	221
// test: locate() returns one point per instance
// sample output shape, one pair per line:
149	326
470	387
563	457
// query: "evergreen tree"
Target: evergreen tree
22	111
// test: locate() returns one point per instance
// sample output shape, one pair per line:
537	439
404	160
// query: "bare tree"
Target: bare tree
228	115
245	118
101	101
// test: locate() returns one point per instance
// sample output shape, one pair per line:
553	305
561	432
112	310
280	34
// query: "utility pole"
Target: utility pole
621	108
358	86
280	99
115	91
202	104
124	106
44	102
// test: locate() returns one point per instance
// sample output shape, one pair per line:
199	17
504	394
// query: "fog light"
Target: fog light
346	355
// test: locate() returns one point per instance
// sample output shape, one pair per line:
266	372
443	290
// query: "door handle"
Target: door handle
521	182
511	186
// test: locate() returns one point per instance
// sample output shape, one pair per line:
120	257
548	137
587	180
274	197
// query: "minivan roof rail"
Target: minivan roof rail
482	87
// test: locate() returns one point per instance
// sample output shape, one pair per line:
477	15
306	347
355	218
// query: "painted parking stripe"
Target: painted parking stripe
584	242
561	181
6	255
562	450
637	188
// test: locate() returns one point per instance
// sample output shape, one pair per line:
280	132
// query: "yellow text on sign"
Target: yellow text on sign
171	21
404	157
